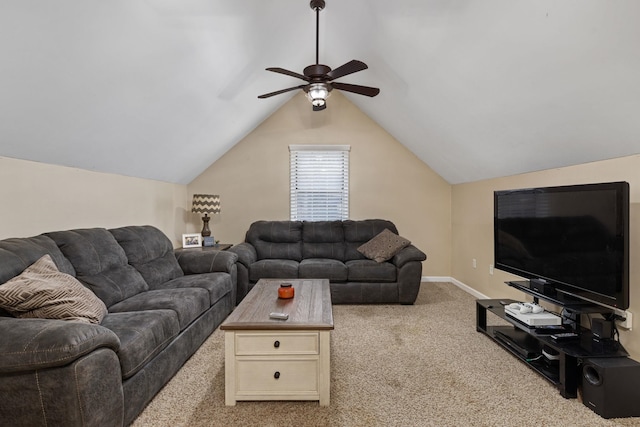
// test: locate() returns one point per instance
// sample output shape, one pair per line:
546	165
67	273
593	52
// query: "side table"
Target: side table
218	247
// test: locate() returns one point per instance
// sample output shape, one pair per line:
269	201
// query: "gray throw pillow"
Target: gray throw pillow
42	291
384	246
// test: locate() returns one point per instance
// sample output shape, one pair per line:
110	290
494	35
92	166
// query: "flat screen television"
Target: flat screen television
574	239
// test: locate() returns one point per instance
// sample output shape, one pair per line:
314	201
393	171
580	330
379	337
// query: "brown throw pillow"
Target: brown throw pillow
384	246
43	291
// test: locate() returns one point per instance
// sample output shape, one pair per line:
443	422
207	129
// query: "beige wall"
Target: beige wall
386	180
473	228
37	197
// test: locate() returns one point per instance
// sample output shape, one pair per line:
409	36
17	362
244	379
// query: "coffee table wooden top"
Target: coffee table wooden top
310	308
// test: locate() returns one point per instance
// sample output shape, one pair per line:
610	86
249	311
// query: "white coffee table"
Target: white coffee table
268	359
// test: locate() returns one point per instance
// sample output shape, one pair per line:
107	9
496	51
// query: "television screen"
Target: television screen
575	238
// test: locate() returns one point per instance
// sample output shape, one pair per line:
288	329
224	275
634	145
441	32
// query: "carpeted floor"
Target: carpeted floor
391	365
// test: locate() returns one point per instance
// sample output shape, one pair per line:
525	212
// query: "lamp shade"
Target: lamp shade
206	204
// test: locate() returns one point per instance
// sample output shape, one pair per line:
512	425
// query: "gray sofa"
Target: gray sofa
329	249
162	305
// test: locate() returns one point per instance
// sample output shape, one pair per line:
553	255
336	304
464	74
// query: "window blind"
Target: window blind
319	176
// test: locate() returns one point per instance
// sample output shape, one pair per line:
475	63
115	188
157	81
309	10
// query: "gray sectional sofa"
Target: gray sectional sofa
329	249
162	304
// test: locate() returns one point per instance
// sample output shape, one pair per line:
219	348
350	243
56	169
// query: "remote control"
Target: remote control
279	316
564	336
550	329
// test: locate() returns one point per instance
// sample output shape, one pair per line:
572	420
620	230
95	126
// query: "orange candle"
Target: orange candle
285	291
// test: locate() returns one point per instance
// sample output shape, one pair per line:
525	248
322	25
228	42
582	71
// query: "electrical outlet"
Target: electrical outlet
475	264
491	269
626	323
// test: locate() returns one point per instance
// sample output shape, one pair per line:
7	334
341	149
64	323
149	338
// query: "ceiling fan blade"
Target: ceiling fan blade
349	68
360	90
278	92
288	73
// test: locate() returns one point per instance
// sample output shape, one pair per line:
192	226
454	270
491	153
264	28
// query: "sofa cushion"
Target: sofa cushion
17	254
42	291
142	334
384	246
276	239
366	270
188	303
323	239
323	268
273	269
217	284
150	251
100	263
357	233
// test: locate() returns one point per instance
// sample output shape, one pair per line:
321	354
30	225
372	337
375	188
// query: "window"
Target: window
319	177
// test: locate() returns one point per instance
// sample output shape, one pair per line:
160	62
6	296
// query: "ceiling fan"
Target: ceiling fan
320	78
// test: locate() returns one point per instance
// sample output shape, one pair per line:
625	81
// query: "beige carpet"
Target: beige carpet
391	365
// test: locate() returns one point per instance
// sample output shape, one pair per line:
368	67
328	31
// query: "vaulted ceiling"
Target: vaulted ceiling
161	89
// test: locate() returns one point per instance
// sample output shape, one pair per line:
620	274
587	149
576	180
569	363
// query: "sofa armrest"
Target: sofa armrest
247	254
31	344
199	262
410	253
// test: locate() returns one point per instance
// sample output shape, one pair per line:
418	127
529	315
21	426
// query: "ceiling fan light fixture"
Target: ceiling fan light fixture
320	78
318	94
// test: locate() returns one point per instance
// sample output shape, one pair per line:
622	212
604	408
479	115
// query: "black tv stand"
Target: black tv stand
521	341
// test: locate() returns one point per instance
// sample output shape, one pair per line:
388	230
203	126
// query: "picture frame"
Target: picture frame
192	240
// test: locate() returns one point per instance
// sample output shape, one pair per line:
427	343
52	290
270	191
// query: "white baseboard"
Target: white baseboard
456	282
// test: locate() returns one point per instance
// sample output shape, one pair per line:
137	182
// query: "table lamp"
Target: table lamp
206	204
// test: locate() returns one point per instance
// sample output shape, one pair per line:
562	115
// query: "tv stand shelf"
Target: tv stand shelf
558	298
564	375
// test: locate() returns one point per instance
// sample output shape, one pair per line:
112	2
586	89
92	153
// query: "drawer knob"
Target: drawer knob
276	344
276	375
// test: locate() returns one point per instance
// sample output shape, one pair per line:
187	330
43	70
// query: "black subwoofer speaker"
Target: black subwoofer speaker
610	386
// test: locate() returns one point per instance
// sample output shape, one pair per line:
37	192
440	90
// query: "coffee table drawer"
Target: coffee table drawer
270	343
280	376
